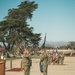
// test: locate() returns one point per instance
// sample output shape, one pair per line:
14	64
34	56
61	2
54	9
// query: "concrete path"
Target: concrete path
67	69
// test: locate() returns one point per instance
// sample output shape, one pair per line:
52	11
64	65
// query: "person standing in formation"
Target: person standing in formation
44	62
61	58
27	62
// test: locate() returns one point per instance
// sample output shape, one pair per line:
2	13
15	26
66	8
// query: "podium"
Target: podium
2	67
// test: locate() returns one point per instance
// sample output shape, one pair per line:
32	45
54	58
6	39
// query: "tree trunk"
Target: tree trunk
17	49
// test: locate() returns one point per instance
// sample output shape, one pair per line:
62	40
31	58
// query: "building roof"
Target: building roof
2	48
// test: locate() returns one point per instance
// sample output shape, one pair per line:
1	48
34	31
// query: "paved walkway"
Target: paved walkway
67	69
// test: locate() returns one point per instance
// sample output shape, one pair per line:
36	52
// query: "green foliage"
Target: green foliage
71	45
15	29
13	58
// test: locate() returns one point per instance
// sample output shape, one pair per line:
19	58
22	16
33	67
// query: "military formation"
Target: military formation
45	60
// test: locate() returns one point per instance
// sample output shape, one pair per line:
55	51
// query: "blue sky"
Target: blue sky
54	17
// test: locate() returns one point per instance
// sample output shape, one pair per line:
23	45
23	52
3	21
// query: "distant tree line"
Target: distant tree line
70	45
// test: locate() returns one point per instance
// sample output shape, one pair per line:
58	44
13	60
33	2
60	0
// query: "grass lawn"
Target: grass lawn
13	58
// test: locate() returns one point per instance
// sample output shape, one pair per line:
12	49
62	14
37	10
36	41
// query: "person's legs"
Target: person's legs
26	70
45	70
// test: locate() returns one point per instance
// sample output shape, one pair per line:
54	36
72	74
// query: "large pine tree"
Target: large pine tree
14	29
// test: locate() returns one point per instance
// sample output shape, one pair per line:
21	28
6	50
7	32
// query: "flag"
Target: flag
43	45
